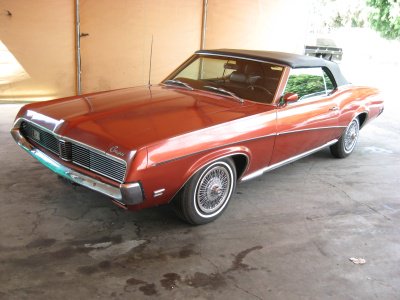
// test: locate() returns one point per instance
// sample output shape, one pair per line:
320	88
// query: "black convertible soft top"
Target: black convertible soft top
288	59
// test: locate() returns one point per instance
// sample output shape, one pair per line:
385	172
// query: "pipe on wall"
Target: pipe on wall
204	25
78	49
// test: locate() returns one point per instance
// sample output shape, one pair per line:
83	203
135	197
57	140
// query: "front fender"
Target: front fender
169	177
217	155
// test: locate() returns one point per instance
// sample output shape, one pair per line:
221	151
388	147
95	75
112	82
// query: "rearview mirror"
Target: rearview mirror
290	97
229	66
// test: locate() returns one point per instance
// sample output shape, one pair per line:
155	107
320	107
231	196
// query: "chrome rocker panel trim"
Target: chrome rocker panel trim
126	194
286	161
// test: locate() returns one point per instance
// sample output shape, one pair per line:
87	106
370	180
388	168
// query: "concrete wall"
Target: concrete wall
257	24
39	35
38	39
116	52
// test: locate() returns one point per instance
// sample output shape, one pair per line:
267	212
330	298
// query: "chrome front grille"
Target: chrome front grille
40	136
65	149
74	152
96	162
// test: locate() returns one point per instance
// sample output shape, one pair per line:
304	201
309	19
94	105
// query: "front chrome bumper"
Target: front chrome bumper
126	193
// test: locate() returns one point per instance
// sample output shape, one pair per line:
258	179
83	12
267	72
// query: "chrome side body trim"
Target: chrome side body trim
310	129
214	148
130	193
244	141
286	161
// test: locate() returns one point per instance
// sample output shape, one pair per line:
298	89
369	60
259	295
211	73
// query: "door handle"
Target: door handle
334	108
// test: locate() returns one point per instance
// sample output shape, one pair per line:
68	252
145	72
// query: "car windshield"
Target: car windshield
234	77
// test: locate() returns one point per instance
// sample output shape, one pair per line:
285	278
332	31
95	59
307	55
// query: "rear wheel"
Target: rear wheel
347	142
207	193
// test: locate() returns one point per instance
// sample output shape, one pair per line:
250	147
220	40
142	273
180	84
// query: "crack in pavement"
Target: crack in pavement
38	219
358	202
247	292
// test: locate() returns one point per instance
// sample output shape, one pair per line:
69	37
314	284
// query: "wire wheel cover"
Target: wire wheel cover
351	136
213	189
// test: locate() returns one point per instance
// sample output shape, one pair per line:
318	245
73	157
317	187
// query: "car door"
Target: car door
309	122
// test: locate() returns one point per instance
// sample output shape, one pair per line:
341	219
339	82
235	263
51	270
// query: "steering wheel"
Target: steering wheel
259	87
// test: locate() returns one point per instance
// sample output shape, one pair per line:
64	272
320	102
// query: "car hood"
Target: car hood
135	117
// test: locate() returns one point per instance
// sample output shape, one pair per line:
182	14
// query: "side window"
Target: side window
329	84
308	82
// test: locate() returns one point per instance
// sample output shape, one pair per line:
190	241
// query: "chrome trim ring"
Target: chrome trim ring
213	189
309	129
351	136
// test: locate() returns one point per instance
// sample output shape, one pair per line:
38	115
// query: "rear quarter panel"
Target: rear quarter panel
356	100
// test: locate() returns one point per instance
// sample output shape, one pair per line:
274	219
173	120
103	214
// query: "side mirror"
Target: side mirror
290	97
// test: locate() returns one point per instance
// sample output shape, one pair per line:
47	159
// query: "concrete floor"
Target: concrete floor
286	235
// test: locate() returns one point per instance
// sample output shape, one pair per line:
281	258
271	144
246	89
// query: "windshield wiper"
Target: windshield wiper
178	82
223	91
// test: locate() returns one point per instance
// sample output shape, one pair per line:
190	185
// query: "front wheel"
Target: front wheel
207	193
347	142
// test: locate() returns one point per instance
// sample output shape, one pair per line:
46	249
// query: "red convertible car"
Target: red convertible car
224	116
